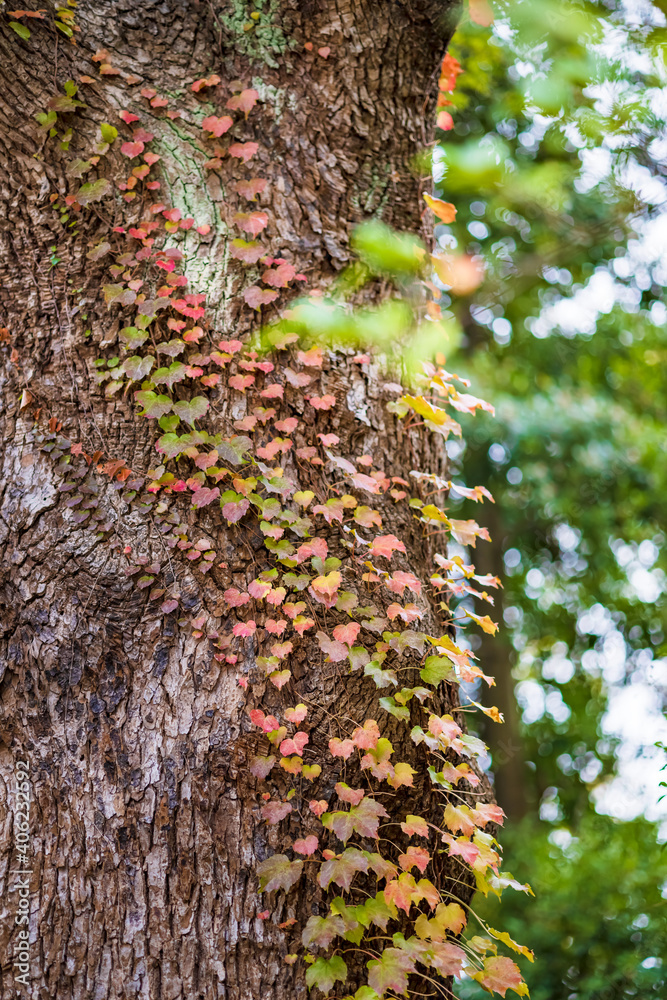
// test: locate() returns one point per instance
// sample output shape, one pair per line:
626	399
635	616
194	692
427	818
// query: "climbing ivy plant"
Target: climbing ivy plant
170	360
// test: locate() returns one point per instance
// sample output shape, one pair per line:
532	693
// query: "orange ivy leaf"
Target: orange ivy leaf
217	126
243	150
501	974
385	545
251	188
323	402
415	857
445	211
245	101
415	825
445	123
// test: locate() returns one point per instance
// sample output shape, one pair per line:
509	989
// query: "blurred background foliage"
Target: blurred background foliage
556	163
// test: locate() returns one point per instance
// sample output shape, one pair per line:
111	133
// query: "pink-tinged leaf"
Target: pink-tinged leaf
415	825
141	135
268	722
244	629
401	891
168	606
259	589
132	149
347	633
204	496
501	974
295	744
481	12
448	958
459	819
264	914
328	584
128	117
341	748
460	847
318	807
297	379
306	846
279	678
466	532
296	714
217	126
302	624
275	811
251	222
363	482
335	651
320	931
366	817
487	812
385	545
279	277
243	150
366	737
234	510
235	599
415	857
241	382
287	426
347	794
312	358
275	627
342	869
261	766
400	580
257	297
367	517
390	971
278	872
245	101
273	391
251	188
329	440
323	402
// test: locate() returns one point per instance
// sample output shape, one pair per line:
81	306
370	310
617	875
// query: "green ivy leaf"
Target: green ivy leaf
109	133
437	669
154	405
325	971
137	368
20	30
94	191
190	410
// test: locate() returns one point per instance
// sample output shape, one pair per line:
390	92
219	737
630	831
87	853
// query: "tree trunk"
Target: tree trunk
145	828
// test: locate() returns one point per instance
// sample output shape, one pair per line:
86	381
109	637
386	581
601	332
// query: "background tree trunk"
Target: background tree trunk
145	828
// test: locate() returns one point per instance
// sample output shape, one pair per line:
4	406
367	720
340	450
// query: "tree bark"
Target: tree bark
145	829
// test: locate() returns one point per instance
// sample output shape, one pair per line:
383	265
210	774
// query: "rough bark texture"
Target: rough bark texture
144	824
